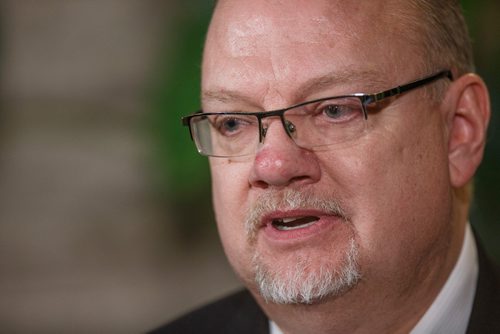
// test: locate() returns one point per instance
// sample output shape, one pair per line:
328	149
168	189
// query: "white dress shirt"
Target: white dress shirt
450	311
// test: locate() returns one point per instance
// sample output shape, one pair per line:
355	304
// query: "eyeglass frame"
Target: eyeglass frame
365	100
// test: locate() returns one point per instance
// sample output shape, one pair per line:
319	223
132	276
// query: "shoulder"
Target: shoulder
485	316
237	313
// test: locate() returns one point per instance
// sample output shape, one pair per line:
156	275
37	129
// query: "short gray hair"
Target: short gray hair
441	32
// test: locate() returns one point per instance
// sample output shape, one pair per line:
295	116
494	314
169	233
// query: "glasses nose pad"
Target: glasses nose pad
263	132
290	128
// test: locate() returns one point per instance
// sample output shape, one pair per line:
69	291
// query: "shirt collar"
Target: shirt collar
450	311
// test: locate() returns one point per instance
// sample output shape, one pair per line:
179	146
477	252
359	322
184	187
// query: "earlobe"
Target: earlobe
469	106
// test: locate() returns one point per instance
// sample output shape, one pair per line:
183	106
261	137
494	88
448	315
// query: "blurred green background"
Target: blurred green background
105	213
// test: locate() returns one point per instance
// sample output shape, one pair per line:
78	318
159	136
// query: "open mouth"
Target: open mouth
294	223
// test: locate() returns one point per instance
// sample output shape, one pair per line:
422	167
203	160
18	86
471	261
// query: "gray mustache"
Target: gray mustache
290	199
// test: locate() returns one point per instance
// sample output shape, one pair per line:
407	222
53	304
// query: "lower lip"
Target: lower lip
324	224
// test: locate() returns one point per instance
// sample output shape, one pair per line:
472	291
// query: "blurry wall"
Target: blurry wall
87	238
105	212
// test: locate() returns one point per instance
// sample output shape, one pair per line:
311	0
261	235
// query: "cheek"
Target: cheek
230	192
229	187
394	185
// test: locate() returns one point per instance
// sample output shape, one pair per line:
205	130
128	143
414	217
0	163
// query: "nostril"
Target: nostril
259	184
297	179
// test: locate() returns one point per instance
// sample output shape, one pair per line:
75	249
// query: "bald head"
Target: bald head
270	46
434	30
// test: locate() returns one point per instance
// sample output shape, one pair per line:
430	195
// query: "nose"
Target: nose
279	162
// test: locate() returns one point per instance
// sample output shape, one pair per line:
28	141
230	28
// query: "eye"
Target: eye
336	111
230	125
341	111
227	125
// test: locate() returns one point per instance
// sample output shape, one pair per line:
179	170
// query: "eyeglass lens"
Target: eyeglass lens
312	125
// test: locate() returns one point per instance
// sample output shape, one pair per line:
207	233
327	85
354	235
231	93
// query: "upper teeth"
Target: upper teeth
295	222
288	220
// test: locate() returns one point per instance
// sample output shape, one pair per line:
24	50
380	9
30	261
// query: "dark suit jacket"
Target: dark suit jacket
240	314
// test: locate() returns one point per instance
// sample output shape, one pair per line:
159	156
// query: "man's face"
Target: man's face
376	207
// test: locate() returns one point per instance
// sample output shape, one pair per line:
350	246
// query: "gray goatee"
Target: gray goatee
308	279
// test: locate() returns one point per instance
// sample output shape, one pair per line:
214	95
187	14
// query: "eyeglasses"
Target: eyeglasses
312	125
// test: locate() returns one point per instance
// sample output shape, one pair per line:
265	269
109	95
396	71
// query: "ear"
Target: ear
468	104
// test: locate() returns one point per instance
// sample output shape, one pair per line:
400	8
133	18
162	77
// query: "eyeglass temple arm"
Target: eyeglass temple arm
404	88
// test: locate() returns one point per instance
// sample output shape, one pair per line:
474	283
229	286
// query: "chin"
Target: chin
307	278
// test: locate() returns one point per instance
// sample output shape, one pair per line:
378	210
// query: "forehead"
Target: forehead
279	44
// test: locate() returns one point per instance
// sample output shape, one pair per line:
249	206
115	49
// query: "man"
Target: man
347	212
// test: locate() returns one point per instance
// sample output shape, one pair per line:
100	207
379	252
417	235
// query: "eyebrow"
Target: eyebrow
224	95
367	79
